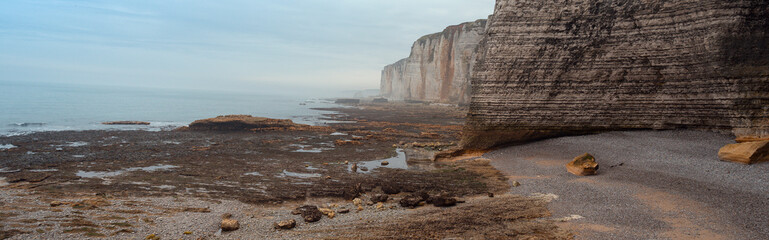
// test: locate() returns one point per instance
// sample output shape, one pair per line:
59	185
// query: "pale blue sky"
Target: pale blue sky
219	44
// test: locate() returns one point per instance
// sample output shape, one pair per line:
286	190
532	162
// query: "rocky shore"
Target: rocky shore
179	184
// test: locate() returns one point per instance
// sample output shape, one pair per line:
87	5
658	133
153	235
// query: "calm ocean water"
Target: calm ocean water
26	108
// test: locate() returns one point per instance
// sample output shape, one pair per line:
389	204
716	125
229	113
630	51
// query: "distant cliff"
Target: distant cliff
550	68
439	67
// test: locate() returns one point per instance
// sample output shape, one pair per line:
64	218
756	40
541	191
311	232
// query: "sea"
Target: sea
33	107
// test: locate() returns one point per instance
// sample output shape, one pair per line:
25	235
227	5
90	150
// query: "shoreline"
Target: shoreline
124	184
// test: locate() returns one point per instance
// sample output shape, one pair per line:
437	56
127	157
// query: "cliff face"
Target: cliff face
438	68
550	68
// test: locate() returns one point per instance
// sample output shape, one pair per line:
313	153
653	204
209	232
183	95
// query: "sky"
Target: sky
222	44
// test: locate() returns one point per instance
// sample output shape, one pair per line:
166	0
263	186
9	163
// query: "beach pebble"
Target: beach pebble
516	184
380	198
285	224
229	224
385	163
583	165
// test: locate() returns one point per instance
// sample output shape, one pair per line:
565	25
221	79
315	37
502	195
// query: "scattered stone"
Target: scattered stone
285	224
442	201
56	203
354	167
346	162
187	232
491	194
413	200
360	208
228	223
152	237
365	169
385	163
380	198
343	210
357	201
584	165
746	152
310	213
389	188
328	212
340	142
380	206
516	184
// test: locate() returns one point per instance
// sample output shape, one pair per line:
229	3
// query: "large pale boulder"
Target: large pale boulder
747	152
583	165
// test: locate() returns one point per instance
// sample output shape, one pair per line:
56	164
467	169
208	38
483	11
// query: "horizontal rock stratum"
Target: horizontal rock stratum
551	68
439	67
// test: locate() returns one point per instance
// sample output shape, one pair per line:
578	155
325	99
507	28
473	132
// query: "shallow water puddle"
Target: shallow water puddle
308	149
6	146
253	174
96	174
44	170
397	162
286	173
73	144
339	134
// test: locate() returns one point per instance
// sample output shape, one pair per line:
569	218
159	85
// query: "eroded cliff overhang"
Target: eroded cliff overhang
550	68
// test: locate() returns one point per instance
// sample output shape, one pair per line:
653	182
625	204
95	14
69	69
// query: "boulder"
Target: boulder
228	223
285	224
746	153
413	200
310	213
583	165
442	200
390	188
380	198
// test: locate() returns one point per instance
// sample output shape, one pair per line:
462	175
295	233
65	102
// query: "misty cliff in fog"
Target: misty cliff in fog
439	67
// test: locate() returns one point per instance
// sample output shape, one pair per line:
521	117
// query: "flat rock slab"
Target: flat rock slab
746	152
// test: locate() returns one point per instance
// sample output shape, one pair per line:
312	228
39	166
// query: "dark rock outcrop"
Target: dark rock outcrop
244	123
126	123
552	68
439	67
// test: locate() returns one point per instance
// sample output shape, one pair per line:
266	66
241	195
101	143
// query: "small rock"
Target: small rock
583	165
152	237
56	203
380	206
354	167
443	201
385	163
389	188
370	203
413	200
516	184
229	224
310	213
357	201
346	162
491	194
328	212
285	224
364	169
343	210
360	208
380	198
187	232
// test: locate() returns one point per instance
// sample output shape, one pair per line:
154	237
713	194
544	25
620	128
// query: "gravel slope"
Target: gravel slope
651	185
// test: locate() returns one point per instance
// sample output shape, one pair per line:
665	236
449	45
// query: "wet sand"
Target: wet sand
651	185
